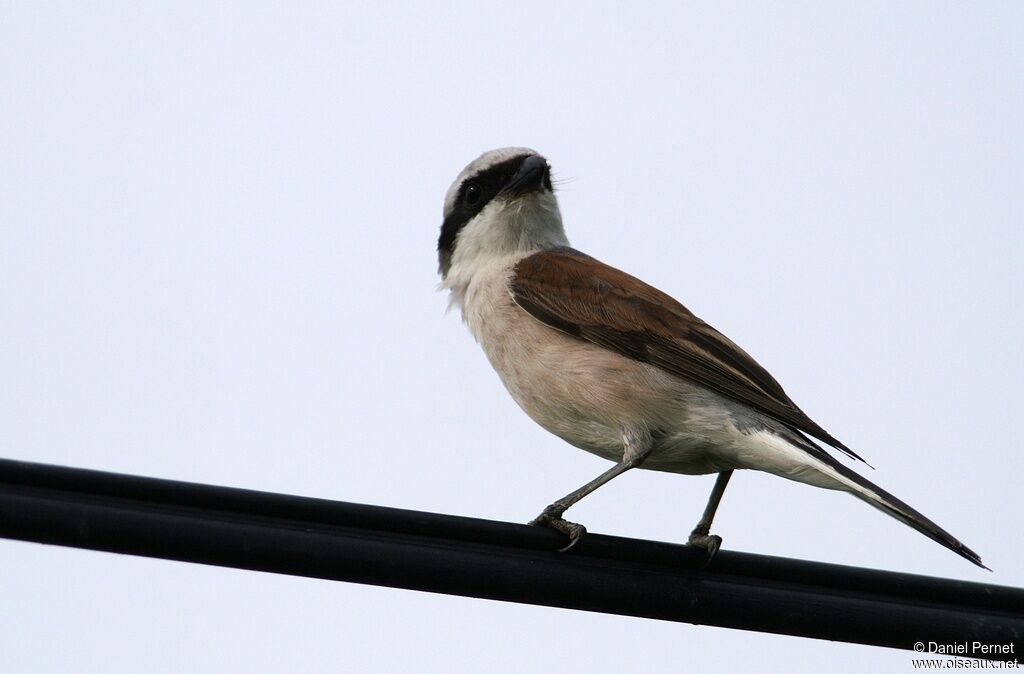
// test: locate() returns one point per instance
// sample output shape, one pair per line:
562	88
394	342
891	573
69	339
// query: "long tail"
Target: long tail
889	504
838	476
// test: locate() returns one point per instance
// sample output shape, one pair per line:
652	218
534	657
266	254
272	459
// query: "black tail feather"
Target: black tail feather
891	505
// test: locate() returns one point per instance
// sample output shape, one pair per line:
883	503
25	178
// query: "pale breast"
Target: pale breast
582	393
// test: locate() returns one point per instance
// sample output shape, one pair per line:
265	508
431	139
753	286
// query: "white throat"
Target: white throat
502	233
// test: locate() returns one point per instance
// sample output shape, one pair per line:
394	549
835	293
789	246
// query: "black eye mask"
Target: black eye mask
475	192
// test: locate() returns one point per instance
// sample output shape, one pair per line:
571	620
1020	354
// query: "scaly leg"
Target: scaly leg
701	535
633	455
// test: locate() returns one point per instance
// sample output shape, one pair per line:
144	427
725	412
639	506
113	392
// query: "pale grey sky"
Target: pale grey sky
217	234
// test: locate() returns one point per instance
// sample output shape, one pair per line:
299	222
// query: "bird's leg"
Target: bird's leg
701	535
634	453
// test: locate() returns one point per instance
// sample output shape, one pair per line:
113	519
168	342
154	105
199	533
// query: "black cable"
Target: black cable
497	560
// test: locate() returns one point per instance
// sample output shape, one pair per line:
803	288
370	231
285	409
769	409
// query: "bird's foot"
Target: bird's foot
552	517
707	541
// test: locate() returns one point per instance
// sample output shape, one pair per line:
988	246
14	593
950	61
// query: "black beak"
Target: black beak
533	174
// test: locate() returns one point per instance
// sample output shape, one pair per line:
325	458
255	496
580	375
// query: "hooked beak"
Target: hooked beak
533	175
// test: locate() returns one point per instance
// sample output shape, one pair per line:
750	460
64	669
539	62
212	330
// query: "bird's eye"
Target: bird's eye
473	193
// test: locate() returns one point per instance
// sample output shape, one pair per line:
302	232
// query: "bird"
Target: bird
616	367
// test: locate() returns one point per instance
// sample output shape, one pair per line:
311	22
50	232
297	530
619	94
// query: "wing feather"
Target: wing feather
588	299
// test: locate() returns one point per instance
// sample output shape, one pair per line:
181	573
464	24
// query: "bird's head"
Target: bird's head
501	204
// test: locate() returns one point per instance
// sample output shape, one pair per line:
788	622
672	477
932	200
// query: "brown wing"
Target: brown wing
588	299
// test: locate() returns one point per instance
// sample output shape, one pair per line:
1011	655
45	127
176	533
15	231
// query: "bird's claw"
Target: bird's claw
558	523
710	542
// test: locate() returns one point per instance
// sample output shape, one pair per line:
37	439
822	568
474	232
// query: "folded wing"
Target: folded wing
583	297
